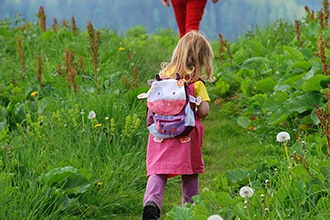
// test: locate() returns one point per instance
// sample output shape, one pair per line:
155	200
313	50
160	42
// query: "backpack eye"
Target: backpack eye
180	82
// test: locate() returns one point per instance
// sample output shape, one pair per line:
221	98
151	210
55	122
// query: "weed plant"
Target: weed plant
73	136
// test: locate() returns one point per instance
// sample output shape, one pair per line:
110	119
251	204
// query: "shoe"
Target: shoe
150	211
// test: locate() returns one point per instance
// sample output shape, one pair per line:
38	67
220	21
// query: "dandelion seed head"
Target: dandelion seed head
215	217
91	115
282	136
246	192
82	111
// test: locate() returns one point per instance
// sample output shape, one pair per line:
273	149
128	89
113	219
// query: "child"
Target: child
191	57
188	13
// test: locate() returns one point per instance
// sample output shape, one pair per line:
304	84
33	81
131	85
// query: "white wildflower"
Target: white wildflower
283	136
91	115
246	192
215	217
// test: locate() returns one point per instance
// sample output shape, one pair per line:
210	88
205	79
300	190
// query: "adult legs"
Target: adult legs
179	7
190	187
194	14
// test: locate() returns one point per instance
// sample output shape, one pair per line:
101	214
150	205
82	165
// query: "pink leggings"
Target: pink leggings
188	14
156	187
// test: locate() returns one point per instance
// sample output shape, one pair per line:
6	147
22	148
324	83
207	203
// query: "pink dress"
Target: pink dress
175	158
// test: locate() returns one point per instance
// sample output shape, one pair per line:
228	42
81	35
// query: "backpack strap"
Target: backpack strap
192	98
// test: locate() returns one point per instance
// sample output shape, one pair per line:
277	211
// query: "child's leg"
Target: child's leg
155	189
190	187
179	7
194	14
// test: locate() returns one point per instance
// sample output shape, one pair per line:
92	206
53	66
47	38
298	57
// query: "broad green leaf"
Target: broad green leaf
256	48
293	53
237	175
314	118
246	87
46	36
225	199
68	179
308	53
243	121
279	116
304	102
314	83
266	84
326	172
303	65
312	28
255	61
179	213
275	101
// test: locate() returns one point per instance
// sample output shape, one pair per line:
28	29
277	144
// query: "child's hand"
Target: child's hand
167	2
215	1
203	110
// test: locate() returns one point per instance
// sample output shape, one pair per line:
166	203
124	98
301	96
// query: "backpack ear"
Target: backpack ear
178	76
158	77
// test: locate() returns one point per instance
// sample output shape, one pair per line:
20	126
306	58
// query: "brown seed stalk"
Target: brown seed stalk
42	18
55	25
69	68
39	70
298	32
74	25
325	9
324	118
223	47
94	39
321	44
20	52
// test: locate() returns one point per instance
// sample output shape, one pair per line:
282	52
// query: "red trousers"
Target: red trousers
188	14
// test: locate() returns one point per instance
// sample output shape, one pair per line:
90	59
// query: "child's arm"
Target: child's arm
203	110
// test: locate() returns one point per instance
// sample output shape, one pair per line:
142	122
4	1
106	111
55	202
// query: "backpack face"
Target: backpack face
167	97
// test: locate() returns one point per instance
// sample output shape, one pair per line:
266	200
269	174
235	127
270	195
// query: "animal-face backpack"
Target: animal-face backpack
170	113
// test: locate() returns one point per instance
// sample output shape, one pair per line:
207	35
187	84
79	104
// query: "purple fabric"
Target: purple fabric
156	188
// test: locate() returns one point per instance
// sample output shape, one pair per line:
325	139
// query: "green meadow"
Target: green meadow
73	133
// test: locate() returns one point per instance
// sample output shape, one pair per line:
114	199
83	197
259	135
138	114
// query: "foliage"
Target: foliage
277	79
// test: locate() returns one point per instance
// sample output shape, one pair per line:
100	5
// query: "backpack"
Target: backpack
170	107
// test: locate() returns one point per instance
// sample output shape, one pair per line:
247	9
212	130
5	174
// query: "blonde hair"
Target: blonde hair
191	56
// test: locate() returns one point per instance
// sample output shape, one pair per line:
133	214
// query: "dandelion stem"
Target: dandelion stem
287	157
